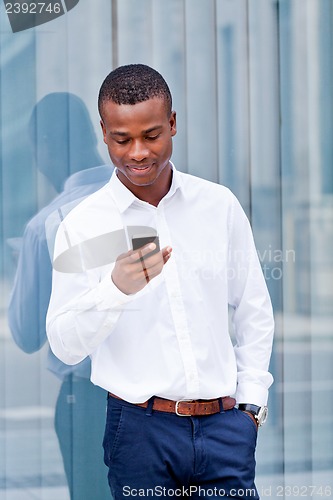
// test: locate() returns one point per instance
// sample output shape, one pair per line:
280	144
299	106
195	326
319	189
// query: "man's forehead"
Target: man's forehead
143	109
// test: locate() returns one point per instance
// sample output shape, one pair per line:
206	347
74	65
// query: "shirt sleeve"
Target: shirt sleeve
252	312
84	308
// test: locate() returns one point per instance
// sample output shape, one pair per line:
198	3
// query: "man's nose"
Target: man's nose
139	151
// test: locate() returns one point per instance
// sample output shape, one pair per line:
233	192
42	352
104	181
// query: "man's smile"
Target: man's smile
140	169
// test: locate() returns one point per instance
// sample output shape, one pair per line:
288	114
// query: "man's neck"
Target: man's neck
154	193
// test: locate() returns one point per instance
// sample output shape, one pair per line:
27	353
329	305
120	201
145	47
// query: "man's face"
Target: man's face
139	140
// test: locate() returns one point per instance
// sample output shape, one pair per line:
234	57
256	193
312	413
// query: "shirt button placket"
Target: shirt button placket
171	277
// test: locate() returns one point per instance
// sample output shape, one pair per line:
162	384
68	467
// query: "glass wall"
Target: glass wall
252	87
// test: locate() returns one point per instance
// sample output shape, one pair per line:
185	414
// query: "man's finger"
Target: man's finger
143	266
166	254
143	252
153	266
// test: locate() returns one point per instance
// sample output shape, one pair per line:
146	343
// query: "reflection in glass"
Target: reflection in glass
65	149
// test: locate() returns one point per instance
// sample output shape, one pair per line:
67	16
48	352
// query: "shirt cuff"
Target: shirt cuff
253	394
109	296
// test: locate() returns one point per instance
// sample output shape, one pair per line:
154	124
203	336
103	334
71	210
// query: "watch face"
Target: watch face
262	415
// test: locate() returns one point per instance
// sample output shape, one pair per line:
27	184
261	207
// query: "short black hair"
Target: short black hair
134	83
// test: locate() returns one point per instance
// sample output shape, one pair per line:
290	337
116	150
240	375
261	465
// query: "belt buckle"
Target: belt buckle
177	404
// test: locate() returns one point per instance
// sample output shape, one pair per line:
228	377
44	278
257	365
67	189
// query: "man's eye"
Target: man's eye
123	141
152	137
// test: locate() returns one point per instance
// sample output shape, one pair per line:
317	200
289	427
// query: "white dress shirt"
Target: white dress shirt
172	338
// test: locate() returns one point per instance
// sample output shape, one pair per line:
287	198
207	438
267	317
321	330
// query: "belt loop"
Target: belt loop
221	405
149	410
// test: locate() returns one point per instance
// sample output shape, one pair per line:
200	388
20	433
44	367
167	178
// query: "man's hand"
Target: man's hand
135	268
254	419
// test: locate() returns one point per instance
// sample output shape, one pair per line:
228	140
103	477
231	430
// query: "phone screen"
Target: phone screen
139	241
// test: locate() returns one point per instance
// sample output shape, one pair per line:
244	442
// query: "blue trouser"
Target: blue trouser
154	454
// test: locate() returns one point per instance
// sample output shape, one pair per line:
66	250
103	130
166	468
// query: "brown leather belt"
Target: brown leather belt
195	408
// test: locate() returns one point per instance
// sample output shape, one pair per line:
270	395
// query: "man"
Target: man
155	323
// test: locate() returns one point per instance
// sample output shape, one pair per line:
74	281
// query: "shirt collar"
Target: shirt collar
124	197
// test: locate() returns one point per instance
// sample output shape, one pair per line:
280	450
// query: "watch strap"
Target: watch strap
258	412
253	409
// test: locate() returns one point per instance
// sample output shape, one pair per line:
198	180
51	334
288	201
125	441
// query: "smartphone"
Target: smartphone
140	240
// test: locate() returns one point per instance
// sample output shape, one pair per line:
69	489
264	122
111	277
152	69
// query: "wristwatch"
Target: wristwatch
260	413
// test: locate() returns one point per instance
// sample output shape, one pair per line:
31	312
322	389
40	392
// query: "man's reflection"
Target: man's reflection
65	148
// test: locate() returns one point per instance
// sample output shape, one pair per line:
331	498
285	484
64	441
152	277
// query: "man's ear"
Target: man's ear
103	130
172	122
